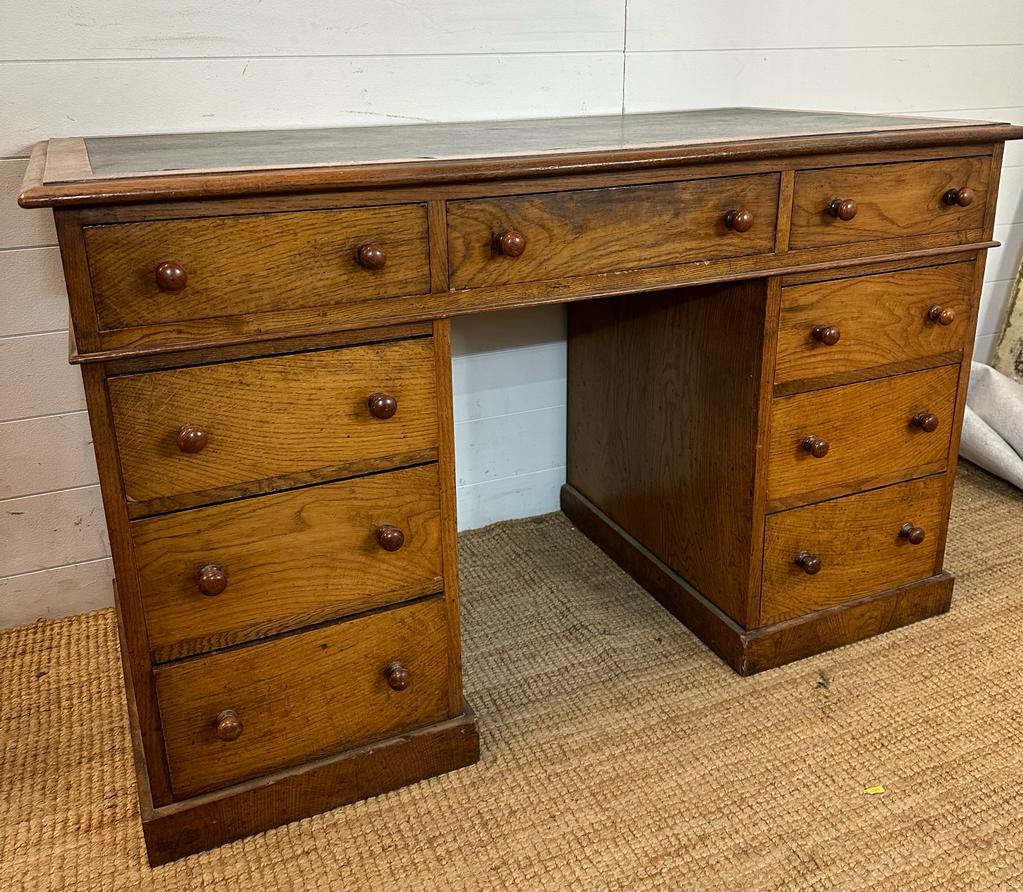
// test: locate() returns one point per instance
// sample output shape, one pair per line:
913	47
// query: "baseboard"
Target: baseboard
204	822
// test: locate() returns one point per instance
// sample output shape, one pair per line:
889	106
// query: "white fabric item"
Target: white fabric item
993	426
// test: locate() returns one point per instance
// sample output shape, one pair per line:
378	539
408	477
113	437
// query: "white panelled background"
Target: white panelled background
94	67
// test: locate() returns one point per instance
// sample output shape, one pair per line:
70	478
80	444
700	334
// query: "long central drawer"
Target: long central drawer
247	711
216	576
201	427
601	230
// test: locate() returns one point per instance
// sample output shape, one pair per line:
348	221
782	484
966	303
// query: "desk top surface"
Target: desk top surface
133	168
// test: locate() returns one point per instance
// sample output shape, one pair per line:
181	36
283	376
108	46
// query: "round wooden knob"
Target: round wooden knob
817	446
398	677
828	335
962	197
229	726
171	276
511	243
382	405
914	534
211	579
192	438
842	208
810	563
371	256
943	315
926	421
390	537
739	220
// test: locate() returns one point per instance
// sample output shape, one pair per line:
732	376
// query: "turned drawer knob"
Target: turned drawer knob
925	421
739	220
171	276
390	537
817	446
962	197
943	315
511	243
810	563
842	208
211	579
829	335
371	256
398	677
229	726
192	438
382	405
914	534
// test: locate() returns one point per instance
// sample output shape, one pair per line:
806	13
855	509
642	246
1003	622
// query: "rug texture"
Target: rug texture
618	753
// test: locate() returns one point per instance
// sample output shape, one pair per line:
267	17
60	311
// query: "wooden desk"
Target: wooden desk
262	323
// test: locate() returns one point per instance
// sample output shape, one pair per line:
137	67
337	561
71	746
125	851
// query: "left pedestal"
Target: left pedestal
282	525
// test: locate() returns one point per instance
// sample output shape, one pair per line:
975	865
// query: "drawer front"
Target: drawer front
264	418
878	319
891	200
602	230
217	576
870	434
859	546
301	696
255	263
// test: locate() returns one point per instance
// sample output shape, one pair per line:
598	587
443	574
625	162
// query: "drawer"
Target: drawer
879	319
302	696
255	263
891	200
856	545
869	434
602	230
217	576
197	428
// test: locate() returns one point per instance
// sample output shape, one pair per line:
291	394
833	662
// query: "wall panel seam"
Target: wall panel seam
87	563
48	492
246	57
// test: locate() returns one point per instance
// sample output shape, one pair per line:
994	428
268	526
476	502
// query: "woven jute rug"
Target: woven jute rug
617	751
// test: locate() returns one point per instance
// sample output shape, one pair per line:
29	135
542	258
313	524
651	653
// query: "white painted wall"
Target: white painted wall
121	66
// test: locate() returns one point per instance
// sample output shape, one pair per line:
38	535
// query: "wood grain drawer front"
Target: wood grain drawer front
859	546
601	230
879	319
891	200
242	570
301	696
254	263
265	418
871	432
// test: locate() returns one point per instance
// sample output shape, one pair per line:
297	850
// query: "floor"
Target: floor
618	753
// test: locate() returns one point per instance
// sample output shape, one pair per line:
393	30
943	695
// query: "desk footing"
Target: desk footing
206	821
749	651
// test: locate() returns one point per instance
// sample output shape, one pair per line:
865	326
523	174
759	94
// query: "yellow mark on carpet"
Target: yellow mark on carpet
875	790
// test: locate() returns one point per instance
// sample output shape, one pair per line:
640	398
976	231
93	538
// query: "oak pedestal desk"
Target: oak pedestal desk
770	318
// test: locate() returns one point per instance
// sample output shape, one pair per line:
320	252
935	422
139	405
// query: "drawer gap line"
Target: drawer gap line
137	509
289	633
